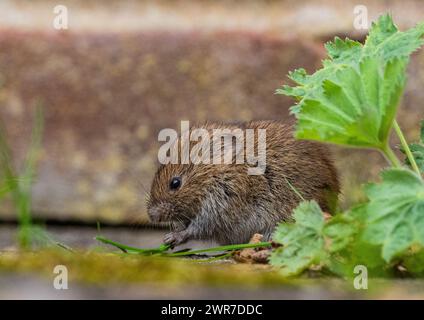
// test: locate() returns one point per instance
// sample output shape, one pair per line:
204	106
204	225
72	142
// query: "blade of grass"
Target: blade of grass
29	168
405	147
23	201
10	178
163	248
4	190
129	249
20	186
231	247
297	192
6	166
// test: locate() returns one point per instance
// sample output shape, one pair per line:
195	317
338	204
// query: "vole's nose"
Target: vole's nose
160	212
154	213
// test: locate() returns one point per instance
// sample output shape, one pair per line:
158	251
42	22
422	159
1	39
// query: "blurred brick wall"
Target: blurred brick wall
107	94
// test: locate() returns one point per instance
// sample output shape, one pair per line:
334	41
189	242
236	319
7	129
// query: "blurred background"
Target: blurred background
124	70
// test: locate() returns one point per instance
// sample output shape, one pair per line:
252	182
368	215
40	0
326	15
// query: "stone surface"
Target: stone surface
32	287
95	275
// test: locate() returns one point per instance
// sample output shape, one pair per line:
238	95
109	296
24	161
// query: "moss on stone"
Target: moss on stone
104	268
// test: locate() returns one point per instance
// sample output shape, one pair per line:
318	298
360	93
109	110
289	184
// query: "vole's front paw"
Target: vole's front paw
175	238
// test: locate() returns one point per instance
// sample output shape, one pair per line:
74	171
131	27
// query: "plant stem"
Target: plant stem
222	248
163	248
405	147
390	155
126	248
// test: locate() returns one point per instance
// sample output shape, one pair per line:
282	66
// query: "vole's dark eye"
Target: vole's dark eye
175	183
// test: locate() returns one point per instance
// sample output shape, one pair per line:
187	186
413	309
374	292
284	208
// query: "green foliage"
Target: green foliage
19	185
303	240
395	213
417	150
336	245
353	99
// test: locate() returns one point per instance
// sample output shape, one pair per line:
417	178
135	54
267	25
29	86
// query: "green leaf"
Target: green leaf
339	232
353	99
354	107
343	50
395	213
414	262
303	241
338	245
387	41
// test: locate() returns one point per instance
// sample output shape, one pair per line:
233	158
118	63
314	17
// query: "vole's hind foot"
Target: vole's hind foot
175	238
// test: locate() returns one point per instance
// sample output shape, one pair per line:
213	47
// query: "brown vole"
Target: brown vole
222	202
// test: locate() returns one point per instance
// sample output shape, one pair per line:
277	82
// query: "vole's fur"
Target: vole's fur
225	204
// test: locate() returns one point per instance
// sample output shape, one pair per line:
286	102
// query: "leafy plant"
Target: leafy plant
395	212
303	241
353	101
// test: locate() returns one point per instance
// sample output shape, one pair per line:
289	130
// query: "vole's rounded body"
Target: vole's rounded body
226	204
